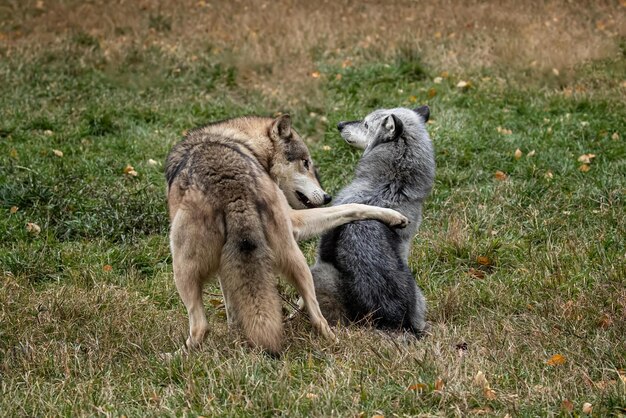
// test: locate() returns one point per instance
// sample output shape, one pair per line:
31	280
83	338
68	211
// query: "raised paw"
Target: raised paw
397	220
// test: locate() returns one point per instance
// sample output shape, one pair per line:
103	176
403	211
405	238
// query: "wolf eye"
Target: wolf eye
306	164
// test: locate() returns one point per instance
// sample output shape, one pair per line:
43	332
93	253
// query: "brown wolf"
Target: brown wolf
232	187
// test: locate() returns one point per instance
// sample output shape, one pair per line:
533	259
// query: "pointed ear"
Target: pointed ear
393	125
424	112
281	127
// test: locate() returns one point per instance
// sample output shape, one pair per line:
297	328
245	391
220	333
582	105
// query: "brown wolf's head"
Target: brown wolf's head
293	168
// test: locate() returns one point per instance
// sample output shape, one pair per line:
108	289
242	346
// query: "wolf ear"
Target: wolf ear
393	126
281	127
424	112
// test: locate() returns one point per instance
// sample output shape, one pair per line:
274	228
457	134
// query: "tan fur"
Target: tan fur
231	189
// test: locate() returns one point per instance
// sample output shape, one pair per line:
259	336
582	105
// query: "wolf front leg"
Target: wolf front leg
308	223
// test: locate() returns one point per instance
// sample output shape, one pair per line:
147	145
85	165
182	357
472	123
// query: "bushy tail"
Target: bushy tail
249	284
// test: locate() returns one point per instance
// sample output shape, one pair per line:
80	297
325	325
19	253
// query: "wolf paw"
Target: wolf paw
324	329
397	220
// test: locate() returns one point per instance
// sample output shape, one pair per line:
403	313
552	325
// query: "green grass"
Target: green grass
77	339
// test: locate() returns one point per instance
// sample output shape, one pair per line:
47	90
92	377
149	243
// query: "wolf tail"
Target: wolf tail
248	282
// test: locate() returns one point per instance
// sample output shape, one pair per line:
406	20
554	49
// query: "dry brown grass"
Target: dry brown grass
276	46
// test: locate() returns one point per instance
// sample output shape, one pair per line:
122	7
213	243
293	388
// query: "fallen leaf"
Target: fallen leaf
531	154
432	93
130	170
489	393
316	74
152	162
48	132
586	158
615	136
518	154
311	396
464	84
326	148
548	175
338	76
346	63
587	408
439	385
418	387
504	131
107	268
556	360
584	168
378	416
13	209
33	228
444	74
437	80
567	405
555	72
480	380
13	153
482	260
605	321
57	152
412	99
499	175
479	274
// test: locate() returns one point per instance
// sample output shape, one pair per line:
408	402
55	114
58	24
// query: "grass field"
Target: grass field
521	255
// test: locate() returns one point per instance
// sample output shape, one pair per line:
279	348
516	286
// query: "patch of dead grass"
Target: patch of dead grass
276	46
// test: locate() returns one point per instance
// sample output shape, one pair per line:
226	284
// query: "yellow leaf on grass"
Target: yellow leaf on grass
500	175
437	80
412	99
338	76
489	393
586	158
432	93
152	162
464	84
316	74
130	170
346	63
439	385
107	268
615	136
311	396
418	387
480	380
482	260
13	153
504	131
556	360
605	321
33	228
548	175
584	168
531	153
13	209
48	132
518	154
587	408
57	152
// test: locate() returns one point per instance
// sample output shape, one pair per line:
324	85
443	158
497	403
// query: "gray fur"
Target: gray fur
362	269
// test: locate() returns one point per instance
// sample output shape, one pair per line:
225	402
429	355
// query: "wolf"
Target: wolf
240	193
361	272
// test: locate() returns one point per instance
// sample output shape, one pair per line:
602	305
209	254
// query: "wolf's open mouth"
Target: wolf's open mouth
305	200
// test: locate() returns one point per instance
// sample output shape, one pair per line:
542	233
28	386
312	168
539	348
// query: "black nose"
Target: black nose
327	198
341	125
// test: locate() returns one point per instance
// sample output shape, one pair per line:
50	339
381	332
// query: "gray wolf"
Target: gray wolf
362	272
232	187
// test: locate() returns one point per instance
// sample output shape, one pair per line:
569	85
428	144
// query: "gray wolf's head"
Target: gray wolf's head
382	126
293	167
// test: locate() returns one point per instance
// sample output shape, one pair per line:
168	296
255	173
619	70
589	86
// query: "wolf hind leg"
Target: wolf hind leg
294	267
252	301
195	246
